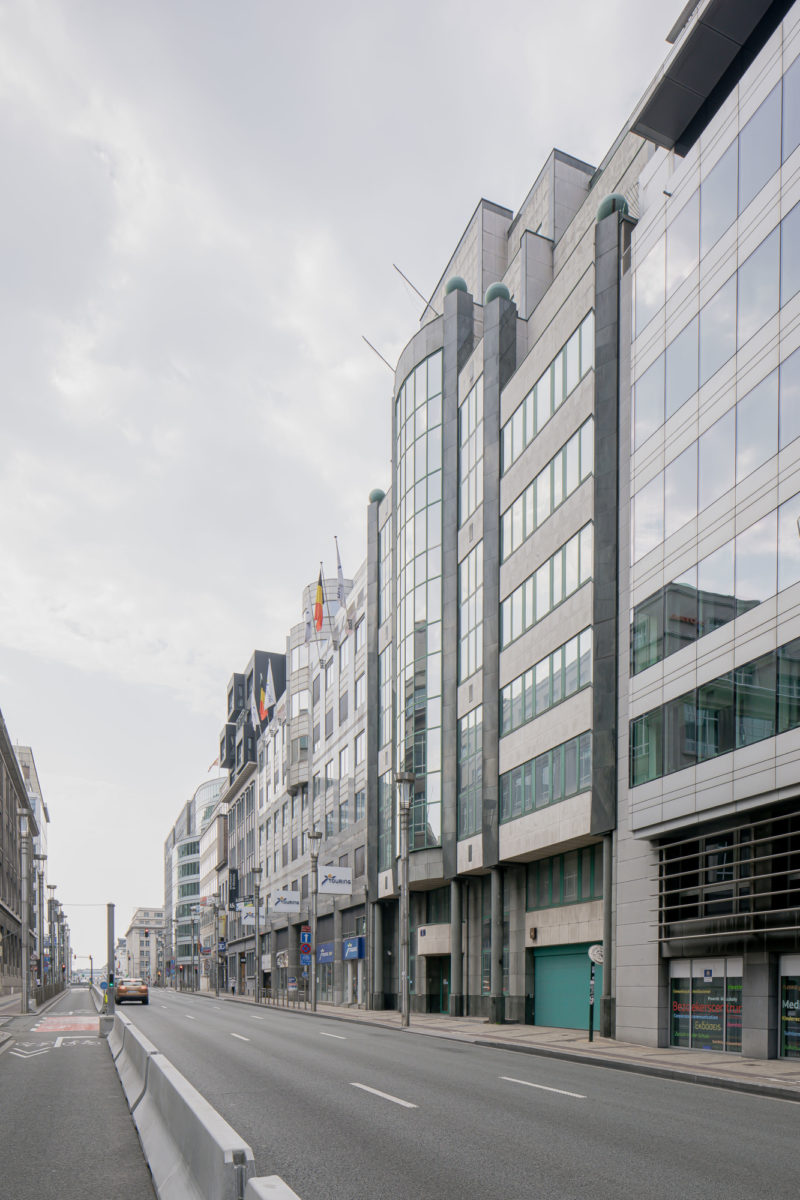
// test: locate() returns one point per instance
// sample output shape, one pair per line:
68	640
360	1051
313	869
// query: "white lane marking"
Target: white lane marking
188	1018
542	1088
163	1006
338	1036
252	1018
384	1095
215	1007
239	1036
57	1042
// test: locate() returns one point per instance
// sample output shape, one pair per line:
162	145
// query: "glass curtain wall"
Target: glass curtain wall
418	617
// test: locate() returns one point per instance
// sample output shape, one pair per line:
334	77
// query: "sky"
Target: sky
201	207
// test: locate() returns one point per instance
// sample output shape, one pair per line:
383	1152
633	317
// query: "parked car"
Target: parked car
130	989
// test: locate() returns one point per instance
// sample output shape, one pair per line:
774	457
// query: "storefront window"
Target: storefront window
706	1004
790	1016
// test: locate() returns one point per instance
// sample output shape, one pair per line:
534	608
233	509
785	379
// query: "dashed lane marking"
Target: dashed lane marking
338	1036
384	1095
239	1036
542	1088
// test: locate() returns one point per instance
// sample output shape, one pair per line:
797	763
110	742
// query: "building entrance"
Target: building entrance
438	983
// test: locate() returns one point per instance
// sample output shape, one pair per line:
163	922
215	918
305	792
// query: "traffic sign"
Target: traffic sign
305	947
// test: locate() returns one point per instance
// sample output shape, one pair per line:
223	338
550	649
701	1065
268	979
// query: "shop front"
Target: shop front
789	969
353	958
325	962
705	1003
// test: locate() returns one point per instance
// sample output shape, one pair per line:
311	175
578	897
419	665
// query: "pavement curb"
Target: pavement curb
749	1087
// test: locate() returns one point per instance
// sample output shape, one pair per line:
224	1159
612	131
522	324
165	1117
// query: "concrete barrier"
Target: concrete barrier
131	1058
193	1154
269	1187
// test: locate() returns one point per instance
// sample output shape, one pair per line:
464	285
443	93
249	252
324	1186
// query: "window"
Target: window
329	723
344	815
299	702
570	878
470	773
361	692
650	284
360	635
344	655
359	861
718	196
328	775
316	689
471	612
760	148
547	779
330	827
470	451
328	670
551	680
360	748
565	472
569	366
555	580
344	762
360	806
343	707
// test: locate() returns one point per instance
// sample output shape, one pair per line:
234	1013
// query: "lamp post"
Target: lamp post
215	902
405	783
194	944
41	859
314	837
51	887
257	963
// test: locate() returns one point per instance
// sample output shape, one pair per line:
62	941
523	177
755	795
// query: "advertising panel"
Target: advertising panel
284	901
335	881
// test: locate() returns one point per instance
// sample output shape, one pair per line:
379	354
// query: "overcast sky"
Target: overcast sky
200	210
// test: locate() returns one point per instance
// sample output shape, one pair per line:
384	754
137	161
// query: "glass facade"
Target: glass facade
470	613
565	472
755	701
571	878
556	579
418	616
551	389
470	773
553	679
547	779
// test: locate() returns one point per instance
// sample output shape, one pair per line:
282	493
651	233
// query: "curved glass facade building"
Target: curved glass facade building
418	607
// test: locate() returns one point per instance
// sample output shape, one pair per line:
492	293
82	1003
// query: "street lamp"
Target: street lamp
314	837
405	783
41	859
215	902
256	882
51	887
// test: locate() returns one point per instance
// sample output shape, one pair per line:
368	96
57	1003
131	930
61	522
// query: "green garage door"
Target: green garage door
561	986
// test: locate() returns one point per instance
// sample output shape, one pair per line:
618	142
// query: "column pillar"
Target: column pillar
456	951
376	982
496	998
338	965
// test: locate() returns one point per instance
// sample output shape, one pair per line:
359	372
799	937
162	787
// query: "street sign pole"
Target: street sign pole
596	958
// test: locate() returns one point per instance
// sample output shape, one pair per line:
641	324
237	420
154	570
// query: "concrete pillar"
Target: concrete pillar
496	999
338	965
294	971
376	983
759	1005
456	951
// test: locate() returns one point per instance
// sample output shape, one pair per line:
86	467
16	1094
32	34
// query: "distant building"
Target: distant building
144	942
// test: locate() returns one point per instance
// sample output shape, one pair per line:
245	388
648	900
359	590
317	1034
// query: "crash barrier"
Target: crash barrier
193	1154
269	1187
130	1050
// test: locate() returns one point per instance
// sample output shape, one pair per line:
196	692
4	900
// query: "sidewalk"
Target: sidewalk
776	1077
65	1128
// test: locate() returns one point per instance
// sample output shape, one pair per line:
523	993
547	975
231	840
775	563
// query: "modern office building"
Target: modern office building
182	885
40	957
708	879
492	567
533	512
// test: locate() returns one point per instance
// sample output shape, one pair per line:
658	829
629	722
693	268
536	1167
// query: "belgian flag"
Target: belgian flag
318	602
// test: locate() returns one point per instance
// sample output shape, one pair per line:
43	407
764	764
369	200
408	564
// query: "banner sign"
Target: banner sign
233	887
353	947
335	881
249	914
284	901
325	952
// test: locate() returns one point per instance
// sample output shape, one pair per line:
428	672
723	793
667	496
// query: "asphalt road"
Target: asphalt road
351	1112
65	1129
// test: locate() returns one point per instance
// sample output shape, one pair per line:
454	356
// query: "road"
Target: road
352	1112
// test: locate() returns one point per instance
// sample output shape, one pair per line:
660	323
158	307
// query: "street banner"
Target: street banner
249	914
284	901
335	881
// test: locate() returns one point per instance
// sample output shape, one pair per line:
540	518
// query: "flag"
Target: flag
339	577
214	764
318	602
254	712
267	693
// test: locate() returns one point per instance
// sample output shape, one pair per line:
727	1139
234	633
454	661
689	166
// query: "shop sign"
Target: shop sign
335	881
284	901
353	947
325	952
